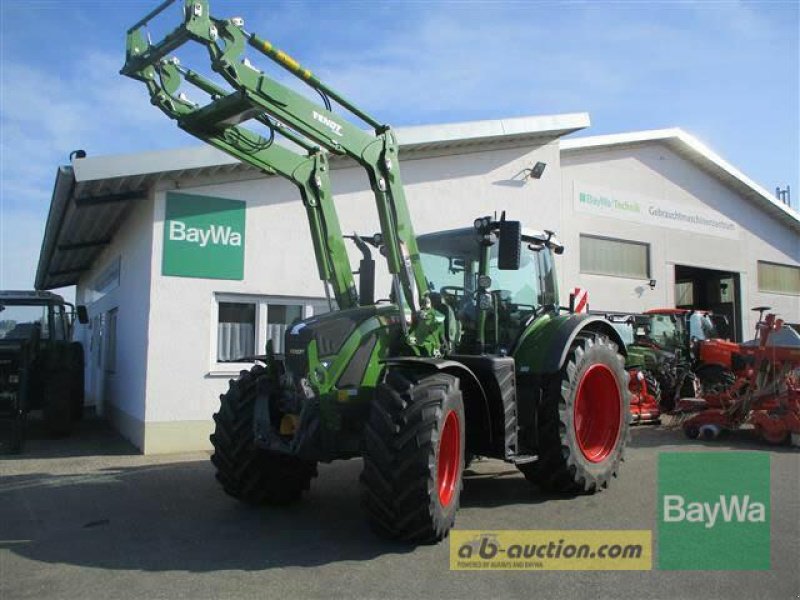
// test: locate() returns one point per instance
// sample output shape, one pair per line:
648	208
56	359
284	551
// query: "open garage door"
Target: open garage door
709	289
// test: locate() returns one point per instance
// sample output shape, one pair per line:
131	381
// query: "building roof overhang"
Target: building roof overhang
92	195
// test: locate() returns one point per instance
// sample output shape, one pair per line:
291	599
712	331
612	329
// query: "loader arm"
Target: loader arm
309	173
257	95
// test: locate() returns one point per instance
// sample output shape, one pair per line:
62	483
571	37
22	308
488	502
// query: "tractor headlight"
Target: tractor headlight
482	223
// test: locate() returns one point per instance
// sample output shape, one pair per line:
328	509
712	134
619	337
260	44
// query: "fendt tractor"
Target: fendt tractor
470	354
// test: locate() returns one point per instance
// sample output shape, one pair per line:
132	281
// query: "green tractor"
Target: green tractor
658	345
41	368
470	353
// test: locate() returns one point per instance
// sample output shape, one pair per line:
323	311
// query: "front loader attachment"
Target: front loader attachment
251	95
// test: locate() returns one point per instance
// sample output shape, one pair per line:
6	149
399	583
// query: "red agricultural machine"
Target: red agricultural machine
759	386
645	397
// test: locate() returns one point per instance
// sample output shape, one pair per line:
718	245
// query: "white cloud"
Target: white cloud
412	63
46	115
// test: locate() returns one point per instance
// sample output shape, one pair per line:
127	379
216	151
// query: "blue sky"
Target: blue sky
728	72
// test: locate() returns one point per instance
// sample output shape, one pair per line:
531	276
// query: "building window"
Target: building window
106	282
236	331
279	317
618	258
111	342
778	279
245	324
684	293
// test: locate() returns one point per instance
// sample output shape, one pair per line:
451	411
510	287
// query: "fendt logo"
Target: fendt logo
329	123
728	508
214	234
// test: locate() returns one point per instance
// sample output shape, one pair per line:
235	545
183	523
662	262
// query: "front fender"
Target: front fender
544	345
475	394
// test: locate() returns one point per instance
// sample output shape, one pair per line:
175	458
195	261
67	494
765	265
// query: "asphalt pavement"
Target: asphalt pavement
87	517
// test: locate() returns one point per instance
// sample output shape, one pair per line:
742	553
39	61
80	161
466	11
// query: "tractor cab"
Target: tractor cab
465	277
41	368
667	331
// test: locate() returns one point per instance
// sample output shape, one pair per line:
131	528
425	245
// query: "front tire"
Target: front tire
414	456
247	472
653	387
583	420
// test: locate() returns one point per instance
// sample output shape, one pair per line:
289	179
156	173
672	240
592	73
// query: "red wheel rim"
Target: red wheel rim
449	459
597	413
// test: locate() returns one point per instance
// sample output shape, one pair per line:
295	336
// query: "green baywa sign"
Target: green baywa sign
203	237
714	510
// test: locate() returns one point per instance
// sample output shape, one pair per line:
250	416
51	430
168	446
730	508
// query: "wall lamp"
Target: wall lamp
537	170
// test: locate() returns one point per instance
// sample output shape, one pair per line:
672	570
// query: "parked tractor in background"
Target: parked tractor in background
658	362
703	345
764	388
40	367
470	353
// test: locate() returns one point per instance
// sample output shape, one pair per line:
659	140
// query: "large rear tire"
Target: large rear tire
414	456
57	404
17	432
583	420
76	361
246	472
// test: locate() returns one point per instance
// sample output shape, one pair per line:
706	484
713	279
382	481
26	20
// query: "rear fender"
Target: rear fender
476	403
544	346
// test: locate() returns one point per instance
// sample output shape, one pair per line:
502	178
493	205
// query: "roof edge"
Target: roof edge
200	156
62	189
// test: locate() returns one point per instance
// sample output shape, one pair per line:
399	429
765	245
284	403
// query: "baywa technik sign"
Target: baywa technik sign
203	237
650	211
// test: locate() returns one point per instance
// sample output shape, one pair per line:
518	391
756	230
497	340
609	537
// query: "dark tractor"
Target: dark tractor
40	367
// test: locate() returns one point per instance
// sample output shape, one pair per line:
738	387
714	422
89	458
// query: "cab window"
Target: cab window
59	332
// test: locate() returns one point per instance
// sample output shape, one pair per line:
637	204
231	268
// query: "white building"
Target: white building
649	219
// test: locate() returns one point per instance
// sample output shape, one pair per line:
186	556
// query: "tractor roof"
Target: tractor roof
462	241
29	297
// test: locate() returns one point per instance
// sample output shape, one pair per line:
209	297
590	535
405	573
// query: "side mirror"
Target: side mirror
366	282
508	252
83	315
